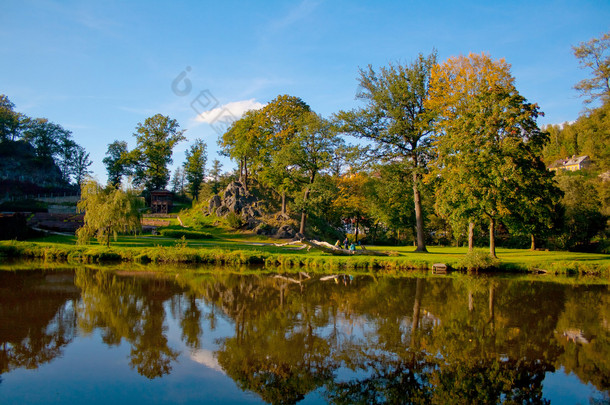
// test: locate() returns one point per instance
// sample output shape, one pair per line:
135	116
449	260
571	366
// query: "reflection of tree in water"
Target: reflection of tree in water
129	308
35	330
428	340
583	331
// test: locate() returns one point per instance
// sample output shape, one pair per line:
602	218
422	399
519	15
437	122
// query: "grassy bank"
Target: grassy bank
257	251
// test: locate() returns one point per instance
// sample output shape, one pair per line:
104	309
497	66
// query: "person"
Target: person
346	243
338	244
352	246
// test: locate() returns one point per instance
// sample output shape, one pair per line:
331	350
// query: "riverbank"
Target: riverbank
159	250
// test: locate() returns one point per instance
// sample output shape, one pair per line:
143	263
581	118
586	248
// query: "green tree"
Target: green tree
115	162
215	173
194	167
10	121
593	55
310	152
396	119
108	211
46	137
81	161
178	181
487	144
156	139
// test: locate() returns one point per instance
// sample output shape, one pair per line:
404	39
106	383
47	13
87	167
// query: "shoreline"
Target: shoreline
181	254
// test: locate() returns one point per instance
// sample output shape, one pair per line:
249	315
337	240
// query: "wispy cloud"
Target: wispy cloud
302	10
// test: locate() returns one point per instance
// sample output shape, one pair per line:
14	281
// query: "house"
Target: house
572	164
160	201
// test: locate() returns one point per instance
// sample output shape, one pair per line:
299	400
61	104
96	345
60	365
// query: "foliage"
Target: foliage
476	260
397	120
582	217
234	220
593	55
194	167
10	120
107	211
215	173
487	145
156	138
116	166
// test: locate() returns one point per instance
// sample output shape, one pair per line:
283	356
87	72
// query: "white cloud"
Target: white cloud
228	112
207	358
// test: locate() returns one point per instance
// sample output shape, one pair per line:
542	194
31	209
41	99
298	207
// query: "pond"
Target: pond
99	336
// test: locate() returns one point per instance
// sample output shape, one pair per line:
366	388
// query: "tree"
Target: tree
487	145
46	137
81	160
108	210
396	119
194	167
592	55
310	151
10	121
156	139
115	162
215	175
178	181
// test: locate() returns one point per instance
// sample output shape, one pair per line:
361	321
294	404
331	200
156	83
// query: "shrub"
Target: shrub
234	220
478	260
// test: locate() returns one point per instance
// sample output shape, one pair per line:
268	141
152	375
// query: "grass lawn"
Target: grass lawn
246	248
211	240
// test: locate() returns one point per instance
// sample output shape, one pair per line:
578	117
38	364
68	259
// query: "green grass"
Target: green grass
245	249
210	240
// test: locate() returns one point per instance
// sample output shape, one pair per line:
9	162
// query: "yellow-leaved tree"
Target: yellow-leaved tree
108	211
488	148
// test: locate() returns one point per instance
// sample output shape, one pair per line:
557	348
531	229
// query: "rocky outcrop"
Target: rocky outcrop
236	199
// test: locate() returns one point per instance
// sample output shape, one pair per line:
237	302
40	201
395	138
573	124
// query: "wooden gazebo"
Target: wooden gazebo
160	201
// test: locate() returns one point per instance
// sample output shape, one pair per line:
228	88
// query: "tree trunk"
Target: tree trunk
245	174
357	223
419	218
416	312
305	198
470	236
533	245
283	202
492	239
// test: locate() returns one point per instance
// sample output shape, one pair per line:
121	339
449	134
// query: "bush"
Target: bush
188	234
234	220
478	260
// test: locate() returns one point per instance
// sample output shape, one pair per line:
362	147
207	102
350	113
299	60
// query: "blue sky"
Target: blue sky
98	68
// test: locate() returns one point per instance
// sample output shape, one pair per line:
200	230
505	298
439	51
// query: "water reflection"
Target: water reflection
355	339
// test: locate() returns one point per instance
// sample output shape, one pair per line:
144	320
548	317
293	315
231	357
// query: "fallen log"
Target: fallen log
334	250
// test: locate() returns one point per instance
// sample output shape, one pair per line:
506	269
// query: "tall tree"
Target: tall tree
593	55
80	169
215	173
488	144
108	211
9	120
178	180
310	152
194	167
156	139
115	162
396	119
46	137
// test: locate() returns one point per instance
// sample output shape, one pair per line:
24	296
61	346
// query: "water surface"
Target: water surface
98	336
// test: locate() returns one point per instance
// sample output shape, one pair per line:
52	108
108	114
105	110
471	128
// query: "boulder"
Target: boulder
285	232
214	203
